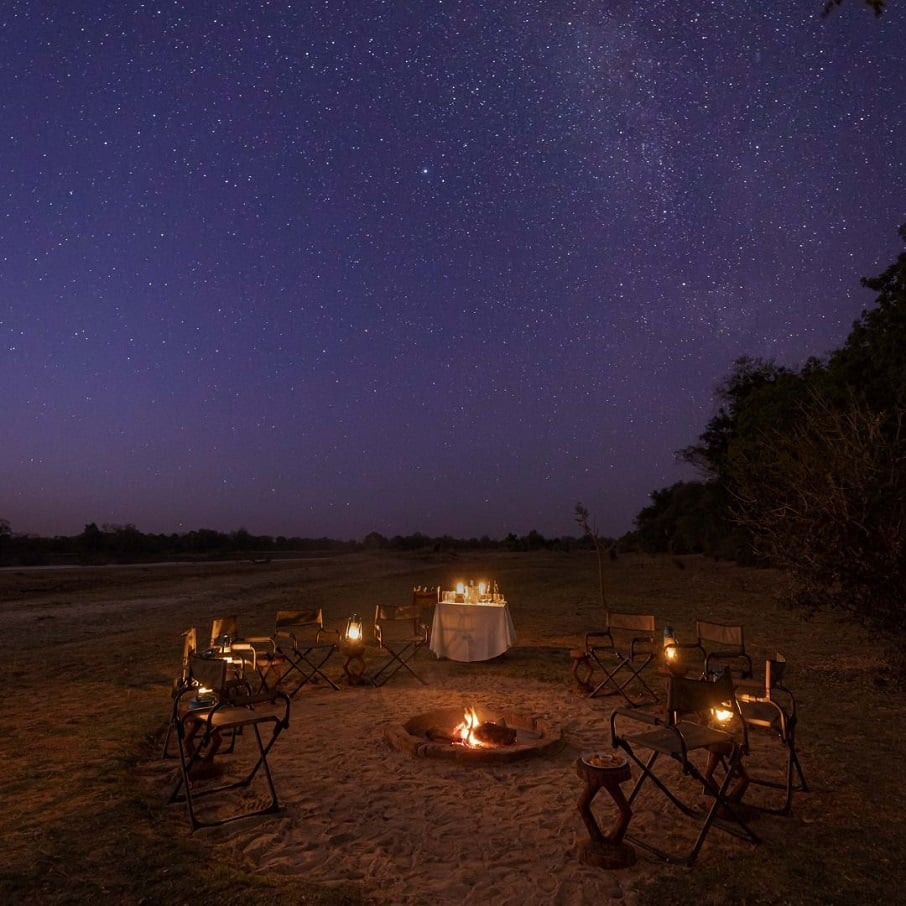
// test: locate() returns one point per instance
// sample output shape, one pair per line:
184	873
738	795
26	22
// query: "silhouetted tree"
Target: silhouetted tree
374	540
755	393
826	501
691	517
872	361
583	519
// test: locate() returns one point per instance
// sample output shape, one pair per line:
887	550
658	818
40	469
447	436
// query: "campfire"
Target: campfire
473	732
474	735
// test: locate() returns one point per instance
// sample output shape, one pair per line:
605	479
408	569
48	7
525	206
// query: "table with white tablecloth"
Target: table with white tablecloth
471	632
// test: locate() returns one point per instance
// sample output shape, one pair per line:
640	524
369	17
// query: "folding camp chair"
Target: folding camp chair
686	742
621	651
400	633
201	726
720	646
771	707
297	651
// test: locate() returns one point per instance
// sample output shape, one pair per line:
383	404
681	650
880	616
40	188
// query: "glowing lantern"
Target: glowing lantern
354	631
671	652
721	715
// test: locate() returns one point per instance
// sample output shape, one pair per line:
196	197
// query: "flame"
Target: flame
466	730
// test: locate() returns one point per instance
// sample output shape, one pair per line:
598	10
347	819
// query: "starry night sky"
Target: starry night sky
332	267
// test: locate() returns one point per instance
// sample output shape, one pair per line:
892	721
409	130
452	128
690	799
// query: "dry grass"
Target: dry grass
91	654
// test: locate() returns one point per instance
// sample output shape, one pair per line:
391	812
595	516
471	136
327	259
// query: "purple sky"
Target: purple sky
326	268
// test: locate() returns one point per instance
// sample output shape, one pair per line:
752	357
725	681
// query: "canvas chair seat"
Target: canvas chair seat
685	735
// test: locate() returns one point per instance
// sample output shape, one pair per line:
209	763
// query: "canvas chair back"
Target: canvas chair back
299	623
693	696
640	623
723	644
722	634
208	671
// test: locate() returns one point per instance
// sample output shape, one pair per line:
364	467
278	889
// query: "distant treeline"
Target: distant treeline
126	544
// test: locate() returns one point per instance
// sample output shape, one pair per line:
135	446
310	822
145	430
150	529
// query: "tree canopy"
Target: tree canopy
809	467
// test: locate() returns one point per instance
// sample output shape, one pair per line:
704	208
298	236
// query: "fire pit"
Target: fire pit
475	736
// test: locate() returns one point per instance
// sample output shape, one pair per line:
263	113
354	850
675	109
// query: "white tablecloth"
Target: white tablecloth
471	632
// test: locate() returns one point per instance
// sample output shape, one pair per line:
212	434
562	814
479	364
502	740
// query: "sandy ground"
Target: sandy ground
355	810
422	830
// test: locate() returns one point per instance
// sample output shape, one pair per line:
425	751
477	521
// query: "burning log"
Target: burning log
491	734
518	736
473	732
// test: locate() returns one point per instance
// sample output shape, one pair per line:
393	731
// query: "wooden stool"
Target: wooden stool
354	667
605	772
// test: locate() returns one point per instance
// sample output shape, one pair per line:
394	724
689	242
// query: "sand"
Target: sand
415	830
355	811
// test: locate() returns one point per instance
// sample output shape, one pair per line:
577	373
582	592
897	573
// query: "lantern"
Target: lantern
722	715
354	633
671	652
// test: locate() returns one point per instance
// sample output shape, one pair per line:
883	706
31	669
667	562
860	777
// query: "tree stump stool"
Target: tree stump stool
600	771
354	666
